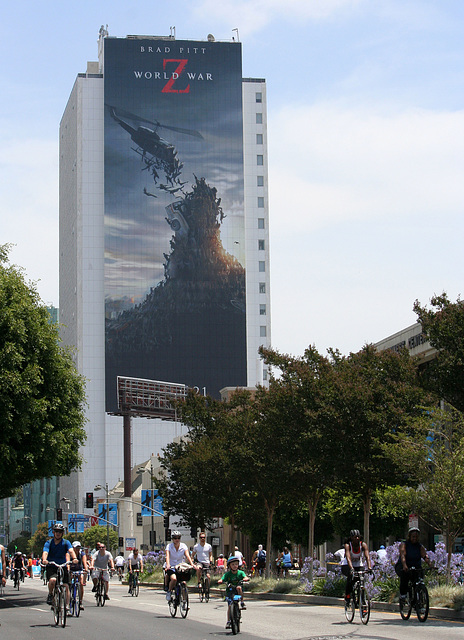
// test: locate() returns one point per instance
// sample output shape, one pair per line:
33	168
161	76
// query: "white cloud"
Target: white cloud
252	15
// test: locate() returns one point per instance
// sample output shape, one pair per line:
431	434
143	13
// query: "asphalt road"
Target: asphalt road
25	616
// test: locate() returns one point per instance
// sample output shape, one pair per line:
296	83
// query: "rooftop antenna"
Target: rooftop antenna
238	39
173	32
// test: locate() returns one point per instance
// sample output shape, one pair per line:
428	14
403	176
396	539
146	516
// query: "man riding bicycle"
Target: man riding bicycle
176	552
57	550
203	552
99	564
134	563
412	552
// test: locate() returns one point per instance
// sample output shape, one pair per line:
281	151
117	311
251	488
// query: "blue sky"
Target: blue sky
365	131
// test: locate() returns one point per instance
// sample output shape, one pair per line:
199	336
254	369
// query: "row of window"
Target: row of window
261	243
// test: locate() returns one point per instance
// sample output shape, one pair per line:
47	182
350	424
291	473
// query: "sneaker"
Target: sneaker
50	599
243	605
94	589
106	597
168	596
228	625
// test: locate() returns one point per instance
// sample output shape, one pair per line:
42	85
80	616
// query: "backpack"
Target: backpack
261	557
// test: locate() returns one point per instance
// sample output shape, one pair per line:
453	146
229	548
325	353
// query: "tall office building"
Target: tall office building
164	240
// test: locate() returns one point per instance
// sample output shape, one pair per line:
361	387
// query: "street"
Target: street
25	616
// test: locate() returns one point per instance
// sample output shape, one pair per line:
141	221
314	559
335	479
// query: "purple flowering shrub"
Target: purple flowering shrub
152	561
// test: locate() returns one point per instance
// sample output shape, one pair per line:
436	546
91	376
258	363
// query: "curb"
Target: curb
434	612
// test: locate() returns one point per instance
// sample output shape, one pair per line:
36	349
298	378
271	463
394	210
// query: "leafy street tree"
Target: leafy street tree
42	395
38	539
95	534
444	327
376	393
431	451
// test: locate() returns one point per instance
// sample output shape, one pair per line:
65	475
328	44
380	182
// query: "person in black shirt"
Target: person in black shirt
412	552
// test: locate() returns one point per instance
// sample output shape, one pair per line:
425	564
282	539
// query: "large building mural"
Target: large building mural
174	219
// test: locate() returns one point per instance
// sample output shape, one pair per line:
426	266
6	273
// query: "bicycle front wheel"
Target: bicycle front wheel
406	606
136	587
78	603
63	607
201	590
422	602
233	622
350	608
56	606
184	600
364	606
173	604
206	590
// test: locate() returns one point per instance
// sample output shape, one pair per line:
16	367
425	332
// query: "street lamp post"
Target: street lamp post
152	536
98	487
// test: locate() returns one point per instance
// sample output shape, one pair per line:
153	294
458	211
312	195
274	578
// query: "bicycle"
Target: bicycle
417	596
203	590
179	595
358	599
134	584
75	603
59	607
16	579
233	600
100	591
120	571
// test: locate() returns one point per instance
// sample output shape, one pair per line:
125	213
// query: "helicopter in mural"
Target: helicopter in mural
156	153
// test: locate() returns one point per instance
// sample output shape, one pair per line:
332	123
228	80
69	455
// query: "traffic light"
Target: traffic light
193	532
89	500
166	522
59	514
167	534
121	542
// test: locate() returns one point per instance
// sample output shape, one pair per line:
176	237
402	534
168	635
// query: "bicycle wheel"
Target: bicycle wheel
238	615
173	603
350	608
206	590
406	606
422	602
201	589
56	607
98	595
136	587
233	622
184	600
72	600
63	607
78	602
364	606
102	592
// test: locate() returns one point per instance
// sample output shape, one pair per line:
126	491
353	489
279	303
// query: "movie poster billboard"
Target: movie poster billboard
174	220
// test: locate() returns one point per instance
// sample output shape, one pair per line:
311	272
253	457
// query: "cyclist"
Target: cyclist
80	566
234	576
119	563
203	552
58	550
2	565
220	564
412	552
285	560
134	562
17	565
355	549
176	552
99	563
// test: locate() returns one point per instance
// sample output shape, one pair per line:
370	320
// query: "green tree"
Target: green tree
444	327
431	451
42	395
20	543
95	534
376	393
38	539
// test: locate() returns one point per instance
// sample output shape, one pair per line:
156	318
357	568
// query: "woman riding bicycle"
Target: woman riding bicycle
176	552
355	549
412	552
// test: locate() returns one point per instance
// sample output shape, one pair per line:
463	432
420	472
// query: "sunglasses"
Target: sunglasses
176	537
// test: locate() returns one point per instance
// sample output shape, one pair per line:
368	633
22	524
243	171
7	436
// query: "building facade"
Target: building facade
164	234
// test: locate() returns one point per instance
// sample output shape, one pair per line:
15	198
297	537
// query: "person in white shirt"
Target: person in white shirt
238	554
204	556
119	564
134	563
99	564
176	552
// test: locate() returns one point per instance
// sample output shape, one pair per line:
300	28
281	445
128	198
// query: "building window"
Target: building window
262	287
259	118
262	332
260	181
262	309
260	223
260	160
260	245
259	97
264	374
259	138
262	266
260	202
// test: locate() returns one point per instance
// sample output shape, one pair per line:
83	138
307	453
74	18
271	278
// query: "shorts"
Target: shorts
96	574
51	571
203	565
